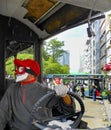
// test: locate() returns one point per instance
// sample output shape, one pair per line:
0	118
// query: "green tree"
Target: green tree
51	67
65	69
10	66
54	47
45	54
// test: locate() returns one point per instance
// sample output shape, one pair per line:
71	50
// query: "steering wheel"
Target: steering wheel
75	117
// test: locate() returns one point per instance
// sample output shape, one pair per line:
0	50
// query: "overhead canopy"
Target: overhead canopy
49	17
27	19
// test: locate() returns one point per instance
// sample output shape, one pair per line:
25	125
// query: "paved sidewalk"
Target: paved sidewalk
108	109
95	114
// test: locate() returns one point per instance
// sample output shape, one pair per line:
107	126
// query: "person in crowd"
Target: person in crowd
44	81
94	92
57	81
73	86
17	103
82	92
109	90
68	86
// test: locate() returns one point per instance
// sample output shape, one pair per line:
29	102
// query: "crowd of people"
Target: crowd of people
72	87
79	88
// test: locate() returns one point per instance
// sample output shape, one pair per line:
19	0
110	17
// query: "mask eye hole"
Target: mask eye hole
21	69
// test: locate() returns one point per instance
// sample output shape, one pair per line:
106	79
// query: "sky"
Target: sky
74	41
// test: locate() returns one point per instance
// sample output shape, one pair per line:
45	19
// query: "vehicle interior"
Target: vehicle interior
26	23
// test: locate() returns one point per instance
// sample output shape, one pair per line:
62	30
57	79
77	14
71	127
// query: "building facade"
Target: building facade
64	59
97	52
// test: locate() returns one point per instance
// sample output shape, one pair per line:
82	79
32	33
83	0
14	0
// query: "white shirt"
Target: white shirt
109	86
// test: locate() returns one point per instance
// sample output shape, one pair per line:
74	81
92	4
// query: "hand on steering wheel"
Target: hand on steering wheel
76	117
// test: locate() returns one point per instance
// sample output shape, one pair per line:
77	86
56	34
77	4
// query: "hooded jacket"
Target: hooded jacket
18	101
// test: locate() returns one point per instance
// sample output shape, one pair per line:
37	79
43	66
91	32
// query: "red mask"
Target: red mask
20	70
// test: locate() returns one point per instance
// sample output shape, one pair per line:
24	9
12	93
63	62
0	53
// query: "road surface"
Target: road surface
95	114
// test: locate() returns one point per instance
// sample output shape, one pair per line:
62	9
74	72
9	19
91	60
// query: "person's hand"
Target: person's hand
61	90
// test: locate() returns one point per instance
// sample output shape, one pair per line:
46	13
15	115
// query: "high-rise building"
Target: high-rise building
64	59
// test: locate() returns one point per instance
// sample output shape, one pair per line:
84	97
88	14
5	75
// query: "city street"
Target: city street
95	114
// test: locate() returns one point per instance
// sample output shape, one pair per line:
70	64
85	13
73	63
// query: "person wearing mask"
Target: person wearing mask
17	103
109	91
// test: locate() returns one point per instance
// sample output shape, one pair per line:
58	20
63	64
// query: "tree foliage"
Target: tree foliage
45	54
54	47
51	67
50	52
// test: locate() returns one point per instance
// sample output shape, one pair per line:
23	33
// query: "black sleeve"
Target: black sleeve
5	110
